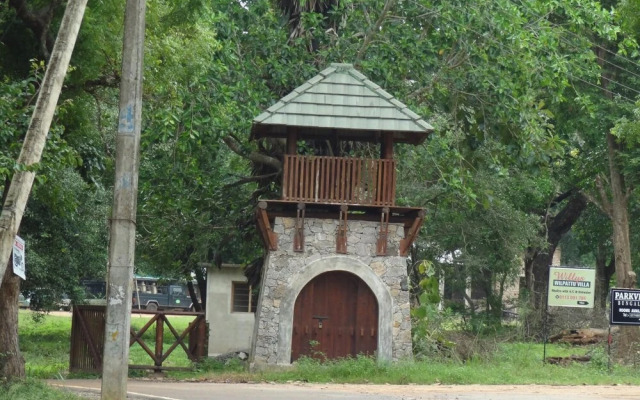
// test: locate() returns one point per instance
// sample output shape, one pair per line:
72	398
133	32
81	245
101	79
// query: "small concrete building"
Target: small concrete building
231	309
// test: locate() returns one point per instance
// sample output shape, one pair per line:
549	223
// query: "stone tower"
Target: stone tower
334	281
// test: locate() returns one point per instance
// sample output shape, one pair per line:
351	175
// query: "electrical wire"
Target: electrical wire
501	44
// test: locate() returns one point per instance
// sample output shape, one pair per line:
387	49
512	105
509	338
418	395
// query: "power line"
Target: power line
586	39
604	89
494	40
576	48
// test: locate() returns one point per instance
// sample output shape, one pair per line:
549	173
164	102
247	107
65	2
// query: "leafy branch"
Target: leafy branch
234	144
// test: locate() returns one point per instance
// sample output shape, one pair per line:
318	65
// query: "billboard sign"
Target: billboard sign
571	287
625	307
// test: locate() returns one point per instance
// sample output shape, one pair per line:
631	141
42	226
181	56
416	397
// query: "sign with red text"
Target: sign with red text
18	258
571	287
625	307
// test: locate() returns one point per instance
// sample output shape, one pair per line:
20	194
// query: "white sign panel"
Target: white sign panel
19	267
571	287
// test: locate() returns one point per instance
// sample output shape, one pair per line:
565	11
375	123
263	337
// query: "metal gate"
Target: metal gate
87	338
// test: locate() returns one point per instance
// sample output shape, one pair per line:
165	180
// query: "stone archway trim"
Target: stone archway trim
328	264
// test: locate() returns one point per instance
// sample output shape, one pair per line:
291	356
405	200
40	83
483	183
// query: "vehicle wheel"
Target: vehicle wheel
152	307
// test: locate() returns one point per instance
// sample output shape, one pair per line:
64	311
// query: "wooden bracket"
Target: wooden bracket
341	238
381	245
298	237
269	238
411	234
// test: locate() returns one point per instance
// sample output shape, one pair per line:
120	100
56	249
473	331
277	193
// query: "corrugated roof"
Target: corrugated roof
341	101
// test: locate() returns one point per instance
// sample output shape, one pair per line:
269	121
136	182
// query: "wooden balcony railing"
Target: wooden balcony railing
339	180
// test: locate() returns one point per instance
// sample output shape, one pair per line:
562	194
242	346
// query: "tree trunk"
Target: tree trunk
538	260
194	298
201	279
22	181
604	272
540	272
537	264
625	277
11	360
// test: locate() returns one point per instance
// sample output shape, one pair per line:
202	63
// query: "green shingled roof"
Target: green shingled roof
341	101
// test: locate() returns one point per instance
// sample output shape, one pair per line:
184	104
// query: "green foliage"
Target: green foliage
351	369
428	332
32	389
66	216
71	246
512	88
509	363
17	99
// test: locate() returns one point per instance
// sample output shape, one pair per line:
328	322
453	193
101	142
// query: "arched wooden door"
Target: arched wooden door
335	315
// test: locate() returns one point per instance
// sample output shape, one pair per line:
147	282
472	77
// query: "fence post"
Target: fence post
159	340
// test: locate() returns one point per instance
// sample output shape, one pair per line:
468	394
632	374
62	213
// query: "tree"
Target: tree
17	193
15	196
490	74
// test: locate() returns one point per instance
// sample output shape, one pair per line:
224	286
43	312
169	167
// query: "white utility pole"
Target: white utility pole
123	221
34	141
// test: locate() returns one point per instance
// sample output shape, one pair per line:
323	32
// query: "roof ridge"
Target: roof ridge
326	88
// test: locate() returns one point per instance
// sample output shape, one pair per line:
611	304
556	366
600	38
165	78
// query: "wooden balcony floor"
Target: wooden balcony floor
286	208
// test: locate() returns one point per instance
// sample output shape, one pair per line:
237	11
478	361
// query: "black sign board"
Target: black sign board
625	307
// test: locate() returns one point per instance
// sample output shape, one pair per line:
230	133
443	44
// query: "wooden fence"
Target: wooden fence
87	338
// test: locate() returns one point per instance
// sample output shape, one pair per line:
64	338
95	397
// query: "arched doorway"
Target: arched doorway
335	315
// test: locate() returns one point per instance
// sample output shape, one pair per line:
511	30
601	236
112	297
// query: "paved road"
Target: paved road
159	390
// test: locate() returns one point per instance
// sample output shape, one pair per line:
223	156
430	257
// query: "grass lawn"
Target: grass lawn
512	363
45	346
45	342
33	389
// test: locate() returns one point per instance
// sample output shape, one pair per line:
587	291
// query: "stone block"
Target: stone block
378	267
329	226
315	228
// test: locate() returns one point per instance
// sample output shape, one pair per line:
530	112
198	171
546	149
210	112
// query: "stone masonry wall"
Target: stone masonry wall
284	276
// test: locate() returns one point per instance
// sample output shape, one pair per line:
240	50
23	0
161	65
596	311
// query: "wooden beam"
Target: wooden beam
292	142
381	244
341	237
411	234
386	147
298	236
269	238
287	209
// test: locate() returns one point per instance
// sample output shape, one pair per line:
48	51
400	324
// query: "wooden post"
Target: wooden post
159	339
386	150
34	141
123	221
411	234
292	142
